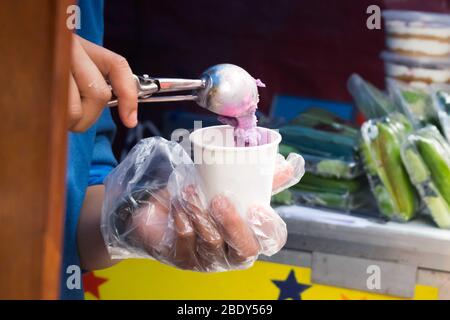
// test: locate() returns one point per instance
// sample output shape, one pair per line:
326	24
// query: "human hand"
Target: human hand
88	90
166	216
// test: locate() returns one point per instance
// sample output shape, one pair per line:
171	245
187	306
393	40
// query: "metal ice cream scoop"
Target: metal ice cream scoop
223	89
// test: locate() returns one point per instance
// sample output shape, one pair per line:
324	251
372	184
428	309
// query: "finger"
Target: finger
288	172
150	223
201	221
183	250
269	229
116	68
242	244
75	109
210	244
94	91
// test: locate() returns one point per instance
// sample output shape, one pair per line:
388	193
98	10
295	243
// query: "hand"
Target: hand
171	222
88	89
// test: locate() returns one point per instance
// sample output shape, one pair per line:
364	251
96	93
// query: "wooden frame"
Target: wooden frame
34	64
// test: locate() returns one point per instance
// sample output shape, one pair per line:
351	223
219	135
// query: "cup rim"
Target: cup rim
195	133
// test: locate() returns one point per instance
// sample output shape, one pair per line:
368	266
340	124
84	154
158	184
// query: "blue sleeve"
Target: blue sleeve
103	160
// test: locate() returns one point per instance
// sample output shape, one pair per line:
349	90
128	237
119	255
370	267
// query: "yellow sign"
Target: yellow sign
148	279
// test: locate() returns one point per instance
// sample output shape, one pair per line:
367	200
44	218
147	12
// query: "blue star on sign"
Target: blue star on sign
290	288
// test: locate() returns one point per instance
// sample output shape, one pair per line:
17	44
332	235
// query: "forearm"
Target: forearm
91	247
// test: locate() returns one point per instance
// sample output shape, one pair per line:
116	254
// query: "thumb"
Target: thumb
288	172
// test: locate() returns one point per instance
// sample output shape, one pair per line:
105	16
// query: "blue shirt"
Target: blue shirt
90	156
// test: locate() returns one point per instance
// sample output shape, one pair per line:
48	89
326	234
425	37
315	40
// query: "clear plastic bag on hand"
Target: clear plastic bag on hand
155	207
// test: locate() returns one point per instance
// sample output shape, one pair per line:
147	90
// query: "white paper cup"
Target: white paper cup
245	173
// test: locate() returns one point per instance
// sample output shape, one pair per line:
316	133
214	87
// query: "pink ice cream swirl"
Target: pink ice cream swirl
242	117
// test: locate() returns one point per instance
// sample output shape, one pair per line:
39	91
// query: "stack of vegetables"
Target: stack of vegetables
404	152
334	175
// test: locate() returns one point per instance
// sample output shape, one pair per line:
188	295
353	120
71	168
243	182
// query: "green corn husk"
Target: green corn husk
335	168
344	202
327	151
325	167
435	152
421	177
388	178
313	182
380	192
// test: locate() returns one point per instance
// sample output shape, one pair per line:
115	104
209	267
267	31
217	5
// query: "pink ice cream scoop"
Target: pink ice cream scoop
225	89
232	93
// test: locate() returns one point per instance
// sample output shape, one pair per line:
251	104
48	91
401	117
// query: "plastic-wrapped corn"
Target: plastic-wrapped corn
316	191
389	181
326	143
370	101
346	202
414	102
327	167
441	103
426	156
322	119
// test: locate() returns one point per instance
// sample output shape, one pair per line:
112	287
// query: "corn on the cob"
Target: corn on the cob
387	175
426	158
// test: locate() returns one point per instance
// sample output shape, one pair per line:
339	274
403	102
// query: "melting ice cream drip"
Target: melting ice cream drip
246	133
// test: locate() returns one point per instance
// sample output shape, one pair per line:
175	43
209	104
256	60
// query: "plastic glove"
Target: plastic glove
155	208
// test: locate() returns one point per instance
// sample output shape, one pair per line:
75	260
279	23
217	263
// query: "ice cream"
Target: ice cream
232	93
244	120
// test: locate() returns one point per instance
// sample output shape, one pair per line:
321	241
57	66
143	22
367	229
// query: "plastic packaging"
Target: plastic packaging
426	156
329	151
316	191
346	202
389	181
417	33
321	119
415	103
418	71
155	207
370	101
418	19
441	103
312	182
327	167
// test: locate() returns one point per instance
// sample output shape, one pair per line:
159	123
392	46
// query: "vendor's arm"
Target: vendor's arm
92	249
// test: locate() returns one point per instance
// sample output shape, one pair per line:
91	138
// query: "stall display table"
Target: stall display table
328	255
345	251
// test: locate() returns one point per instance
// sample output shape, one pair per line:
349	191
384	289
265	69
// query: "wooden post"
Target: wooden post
34	69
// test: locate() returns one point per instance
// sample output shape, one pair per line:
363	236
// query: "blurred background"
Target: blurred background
298	48
360	202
